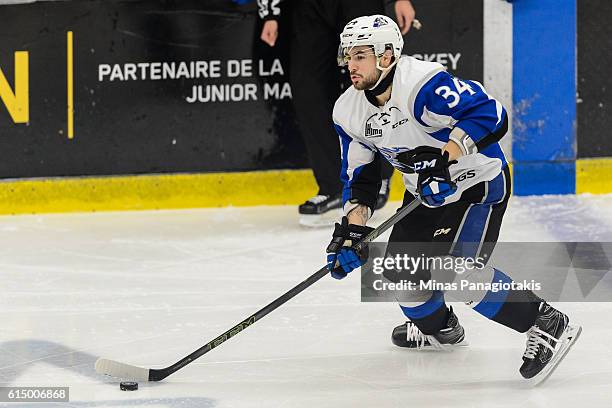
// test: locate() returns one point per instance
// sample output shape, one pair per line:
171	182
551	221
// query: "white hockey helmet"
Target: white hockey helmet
377	31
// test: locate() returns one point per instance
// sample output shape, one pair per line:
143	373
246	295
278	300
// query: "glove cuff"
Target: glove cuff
363	230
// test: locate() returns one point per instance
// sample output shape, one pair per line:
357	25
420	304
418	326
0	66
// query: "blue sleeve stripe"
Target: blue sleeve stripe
345	140
347	181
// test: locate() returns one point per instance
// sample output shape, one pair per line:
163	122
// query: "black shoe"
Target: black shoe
409	336
320	211
548	341
320	204
383	194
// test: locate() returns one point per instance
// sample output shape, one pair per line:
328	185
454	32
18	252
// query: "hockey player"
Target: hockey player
442	133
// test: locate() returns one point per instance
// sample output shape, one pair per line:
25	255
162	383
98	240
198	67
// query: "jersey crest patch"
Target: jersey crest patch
374	124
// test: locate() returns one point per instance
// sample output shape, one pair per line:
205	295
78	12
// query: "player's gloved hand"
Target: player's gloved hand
341	258
434	183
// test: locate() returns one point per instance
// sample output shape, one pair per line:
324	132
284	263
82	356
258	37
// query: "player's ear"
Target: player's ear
386	59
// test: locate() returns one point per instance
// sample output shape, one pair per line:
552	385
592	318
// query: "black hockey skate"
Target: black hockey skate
383	194
319	211
548	341
409	336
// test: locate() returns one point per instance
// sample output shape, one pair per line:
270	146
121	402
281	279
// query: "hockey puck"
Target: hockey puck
128	386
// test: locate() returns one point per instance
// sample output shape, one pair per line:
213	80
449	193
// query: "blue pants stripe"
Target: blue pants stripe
474	227
426	309
489	306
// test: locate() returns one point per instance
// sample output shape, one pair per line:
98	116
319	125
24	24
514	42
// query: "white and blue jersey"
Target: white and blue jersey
426	104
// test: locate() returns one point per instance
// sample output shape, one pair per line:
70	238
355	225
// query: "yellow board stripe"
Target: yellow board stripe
155	191
594	176
148	192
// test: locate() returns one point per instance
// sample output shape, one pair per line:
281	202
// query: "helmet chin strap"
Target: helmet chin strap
383	75
383	83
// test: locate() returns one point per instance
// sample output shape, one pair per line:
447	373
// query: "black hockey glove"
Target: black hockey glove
341	258
434	183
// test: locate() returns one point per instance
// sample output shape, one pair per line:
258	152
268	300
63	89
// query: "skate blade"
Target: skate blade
439	348
569	337
327	219
451	347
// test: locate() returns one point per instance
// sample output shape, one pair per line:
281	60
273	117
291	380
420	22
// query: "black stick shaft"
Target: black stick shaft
160	374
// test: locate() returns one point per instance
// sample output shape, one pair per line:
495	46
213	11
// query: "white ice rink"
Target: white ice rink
148	288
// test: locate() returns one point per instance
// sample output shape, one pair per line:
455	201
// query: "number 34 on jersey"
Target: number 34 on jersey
454	97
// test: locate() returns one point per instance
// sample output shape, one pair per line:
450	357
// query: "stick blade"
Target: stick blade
121	370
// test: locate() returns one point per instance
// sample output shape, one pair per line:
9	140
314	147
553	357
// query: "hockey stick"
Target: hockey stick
122	370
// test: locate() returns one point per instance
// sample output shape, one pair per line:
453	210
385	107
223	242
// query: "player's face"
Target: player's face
362	67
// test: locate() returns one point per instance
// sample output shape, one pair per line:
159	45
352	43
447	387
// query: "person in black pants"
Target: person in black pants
316	83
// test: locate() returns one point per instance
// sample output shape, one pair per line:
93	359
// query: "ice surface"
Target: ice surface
148	288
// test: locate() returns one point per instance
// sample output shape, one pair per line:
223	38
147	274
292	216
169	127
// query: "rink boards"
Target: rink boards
180	106
150	192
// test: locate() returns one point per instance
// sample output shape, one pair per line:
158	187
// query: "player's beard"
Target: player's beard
368	82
